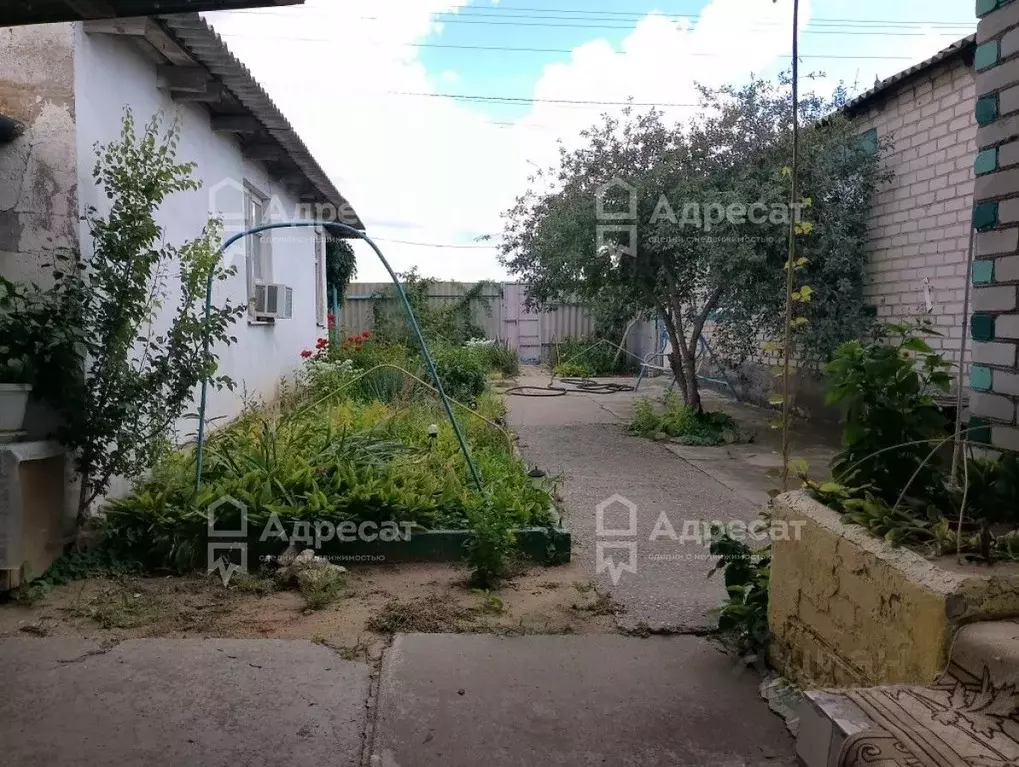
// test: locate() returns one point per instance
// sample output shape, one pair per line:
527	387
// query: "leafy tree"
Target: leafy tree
712	222
124	379
341	265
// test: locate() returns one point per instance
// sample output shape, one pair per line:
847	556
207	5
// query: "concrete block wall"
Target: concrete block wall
920	225
994	323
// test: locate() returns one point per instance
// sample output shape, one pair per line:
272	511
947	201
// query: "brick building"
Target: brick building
919	236
995	319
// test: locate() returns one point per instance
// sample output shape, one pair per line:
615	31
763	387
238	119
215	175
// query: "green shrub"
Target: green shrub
744	614
891	419
449	322
691	427
498	356
463	371
576	369
489	547
591	356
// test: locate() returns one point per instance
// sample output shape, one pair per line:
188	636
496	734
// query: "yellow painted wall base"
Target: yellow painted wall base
847	609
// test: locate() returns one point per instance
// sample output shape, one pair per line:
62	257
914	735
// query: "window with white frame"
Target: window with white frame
258	246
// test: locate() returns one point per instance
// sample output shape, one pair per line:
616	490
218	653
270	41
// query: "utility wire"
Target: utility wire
966	24
523	100
761	28
436	244
507	48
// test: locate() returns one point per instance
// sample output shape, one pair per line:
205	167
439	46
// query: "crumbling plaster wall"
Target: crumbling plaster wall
38	170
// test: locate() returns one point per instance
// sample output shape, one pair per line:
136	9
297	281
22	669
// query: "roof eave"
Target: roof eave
960	48
206	47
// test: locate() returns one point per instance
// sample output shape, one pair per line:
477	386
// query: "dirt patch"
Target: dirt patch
374	602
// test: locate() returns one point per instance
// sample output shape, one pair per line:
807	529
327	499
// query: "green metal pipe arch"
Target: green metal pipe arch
355	233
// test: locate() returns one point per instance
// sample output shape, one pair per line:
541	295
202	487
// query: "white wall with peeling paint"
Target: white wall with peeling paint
38	178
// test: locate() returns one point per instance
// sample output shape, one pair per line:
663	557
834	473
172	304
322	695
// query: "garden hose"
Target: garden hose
584	385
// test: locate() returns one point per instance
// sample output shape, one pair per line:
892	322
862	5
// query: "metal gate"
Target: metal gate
522	328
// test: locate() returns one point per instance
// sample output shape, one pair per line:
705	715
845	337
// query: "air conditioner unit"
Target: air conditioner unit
274	302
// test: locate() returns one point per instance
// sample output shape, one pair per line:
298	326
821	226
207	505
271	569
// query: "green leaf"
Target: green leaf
915	344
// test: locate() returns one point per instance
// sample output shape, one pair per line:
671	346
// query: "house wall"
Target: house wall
995	320
920	225
112	73
918	236
38	196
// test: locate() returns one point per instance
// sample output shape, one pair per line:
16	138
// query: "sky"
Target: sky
430	115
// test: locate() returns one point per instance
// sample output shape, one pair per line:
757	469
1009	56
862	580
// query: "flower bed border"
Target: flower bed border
847	609
543	545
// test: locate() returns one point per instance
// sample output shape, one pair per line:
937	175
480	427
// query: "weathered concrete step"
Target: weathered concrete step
968	717
989	648
826	719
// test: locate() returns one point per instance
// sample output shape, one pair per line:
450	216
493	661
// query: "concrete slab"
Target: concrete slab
179	703
582	438
460	700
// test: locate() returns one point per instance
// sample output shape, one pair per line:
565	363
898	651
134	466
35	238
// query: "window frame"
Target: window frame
258	254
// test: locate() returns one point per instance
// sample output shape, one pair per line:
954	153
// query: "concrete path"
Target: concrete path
464	701
179	703
664	583
451	699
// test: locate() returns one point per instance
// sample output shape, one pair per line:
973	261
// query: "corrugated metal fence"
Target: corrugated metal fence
500	311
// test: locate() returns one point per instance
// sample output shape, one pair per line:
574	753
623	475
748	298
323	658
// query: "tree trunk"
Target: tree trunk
690	366
679	374
83	499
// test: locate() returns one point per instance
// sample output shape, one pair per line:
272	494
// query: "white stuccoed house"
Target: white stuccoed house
68	85
63	89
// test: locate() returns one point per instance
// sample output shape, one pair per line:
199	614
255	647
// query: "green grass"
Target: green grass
683	424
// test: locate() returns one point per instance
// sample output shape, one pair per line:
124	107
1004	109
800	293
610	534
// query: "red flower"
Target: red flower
331	317
307	353
351	339
322	343
357	348
366	335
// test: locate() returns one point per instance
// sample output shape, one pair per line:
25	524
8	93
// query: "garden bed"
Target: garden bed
359	462
849	609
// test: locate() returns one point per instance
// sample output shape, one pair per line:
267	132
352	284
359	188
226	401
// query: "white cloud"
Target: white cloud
435	170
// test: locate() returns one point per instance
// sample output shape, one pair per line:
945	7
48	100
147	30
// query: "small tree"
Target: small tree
341	265
704	251
134	381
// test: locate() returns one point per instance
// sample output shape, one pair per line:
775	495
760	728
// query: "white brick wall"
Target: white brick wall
921	219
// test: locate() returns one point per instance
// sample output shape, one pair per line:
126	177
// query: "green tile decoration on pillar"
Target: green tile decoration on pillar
985	215
979	430
987	109
983	271
980	378
986	55
986	162
982	327
985	6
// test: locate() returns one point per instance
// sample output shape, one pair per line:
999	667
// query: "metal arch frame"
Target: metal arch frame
357	234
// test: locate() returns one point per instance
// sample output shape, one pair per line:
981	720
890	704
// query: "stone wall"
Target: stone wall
38	179
847	609
995	274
